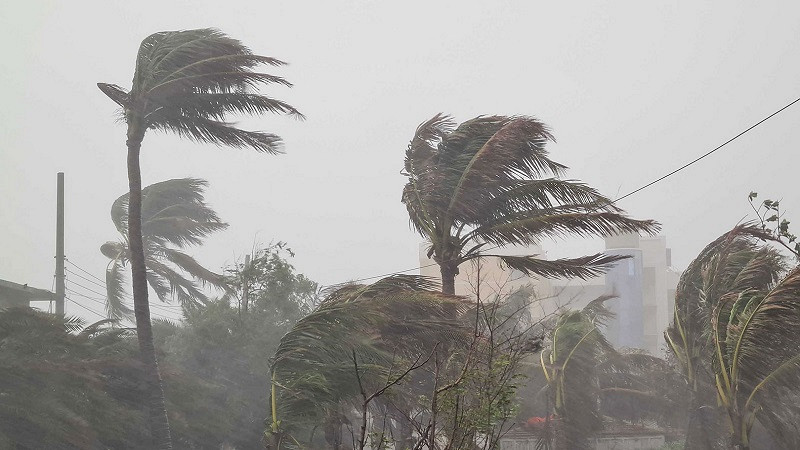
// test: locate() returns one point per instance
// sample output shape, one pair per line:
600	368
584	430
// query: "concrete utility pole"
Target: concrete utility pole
60	290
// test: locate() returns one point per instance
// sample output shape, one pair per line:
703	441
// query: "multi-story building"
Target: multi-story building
642	286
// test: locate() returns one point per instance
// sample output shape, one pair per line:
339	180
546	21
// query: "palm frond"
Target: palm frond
583	267
186	292
575	353
119	95
115	292
193	268
486	150
97	327
211	131
519	195
765	333
217	105
159	285
560	221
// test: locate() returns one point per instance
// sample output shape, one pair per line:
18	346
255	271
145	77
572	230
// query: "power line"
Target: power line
614	201
102	302
710	152
84	270
90	290
85	307
103	286
86	279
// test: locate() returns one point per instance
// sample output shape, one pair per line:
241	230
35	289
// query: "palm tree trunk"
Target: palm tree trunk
449	273
159	424
703	428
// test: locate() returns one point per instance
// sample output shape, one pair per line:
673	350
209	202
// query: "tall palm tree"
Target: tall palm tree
174	216
185	82
490	182
733	265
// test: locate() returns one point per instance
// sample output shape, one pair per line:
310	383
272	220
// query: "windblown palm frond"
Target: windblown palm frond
174	216
387	325
188	82
491	180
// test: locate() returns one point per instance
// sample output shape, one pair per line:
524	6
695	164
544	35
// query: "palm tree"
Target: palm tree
570	365
758	356
185	82
174	216
732	266
736	335
490	182
386	325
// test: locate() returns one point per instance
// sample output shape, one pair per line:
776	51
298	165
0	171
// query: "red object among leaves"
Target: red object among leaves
538	421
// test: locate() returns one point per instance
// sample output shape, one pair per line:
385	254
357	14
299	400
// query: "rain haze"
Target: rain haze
682	111
631	91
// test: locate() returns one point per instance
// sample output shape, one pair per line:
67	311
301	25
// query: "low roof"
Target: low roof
16	291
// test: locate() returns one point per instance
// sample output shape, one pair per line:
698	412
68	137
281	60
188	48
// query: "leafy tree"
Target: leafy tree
267	282
185	82
174	216
490	182
772	221
228	351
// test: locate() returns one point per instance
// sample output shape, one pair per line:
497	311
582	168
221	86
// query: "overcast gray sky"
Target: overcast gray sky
631	90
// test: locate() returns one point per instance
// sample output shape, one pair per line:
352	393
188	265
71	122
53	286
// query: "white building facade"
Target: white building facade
643	285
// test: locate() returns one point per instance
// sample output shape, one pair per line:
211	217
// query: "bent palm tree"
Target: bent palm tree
185	82
576	348
734	265
746	317
174	216
489	181
386	325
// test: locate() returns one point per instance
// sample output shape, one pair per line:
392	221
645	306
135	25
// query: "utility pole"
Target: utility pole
60	290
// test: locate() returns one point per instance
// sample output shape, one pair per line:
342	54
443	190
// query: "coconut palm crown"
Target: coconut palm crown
174	216
188	81
489	183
